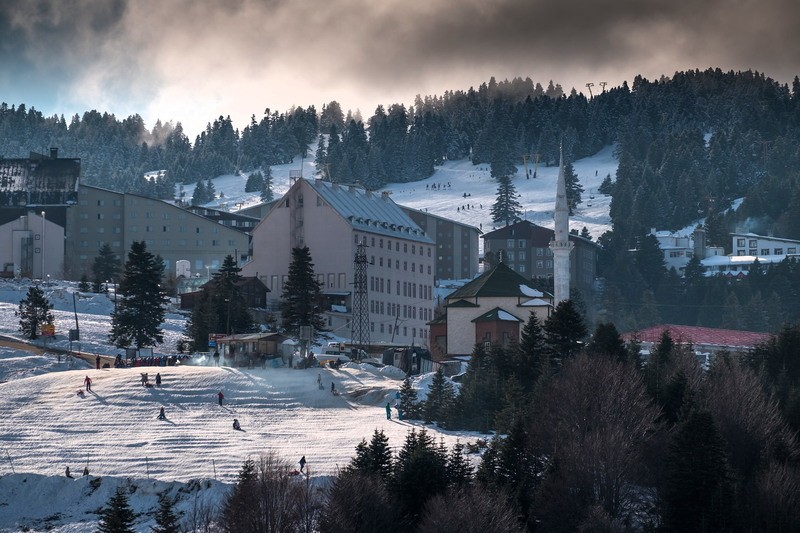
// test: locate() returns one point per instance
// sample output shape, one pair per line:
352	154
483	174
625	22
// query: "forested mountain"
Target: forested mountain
687	146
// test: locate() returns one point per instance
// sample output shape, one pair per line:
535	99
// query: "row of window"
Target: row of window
387	328
397	264
414	247
408	288
392	309
765	251
164	242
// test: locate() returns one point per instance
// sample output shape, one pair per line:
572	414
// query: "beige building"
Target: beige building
104	216
332	220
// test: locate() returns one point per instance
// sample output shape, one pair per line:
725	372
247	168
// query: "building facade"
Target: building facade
525	248
332	220
456	244
744	244
103	216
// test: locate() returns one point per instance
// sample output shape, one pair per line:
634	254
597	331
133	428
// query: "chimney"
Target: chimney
53	153
385	195
700	243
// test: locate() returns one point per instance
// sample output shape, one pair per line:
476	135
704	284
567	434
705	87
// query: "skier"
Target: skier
66	473
162	415
86	470
302	463
158	379
319	380
144	379
236	425
97	362
388	411
88	382
220	397
333	388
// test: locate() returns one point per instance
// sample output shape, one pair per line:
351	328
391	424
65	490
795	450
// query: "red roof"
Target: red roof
699	335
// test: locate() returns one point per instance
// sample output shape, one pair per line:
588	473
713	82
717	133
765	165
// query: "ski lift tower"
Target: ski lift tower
360	325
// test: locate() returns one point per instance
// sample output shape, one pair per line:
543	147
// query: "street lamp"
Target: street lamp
42	244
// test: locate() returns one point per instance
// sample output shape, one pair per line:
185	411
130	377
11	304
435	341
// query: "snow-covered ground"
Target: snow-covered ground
47	425
537	196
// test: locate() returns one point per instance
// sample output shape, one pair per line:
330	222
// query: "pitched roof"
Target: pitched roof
370	212
497	315
699	335
539	236
500	280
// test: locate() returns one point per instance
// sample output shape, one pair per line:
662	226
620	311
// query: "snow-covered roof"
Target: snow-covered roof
368	211
535	302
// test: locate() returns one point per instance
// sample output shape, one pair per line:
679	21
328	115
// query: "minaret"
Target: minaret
561	245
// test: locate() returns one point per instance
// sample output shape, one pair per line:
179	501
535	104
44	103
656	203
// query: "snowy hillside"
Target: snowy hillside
537	196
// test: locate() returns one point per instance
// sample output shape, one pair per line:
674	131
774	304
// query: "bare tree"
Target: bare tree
472	510
594	422
359	501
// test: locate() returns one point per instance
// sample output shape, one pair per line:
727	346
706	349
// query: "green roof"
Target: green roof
498	281
462	303
496	315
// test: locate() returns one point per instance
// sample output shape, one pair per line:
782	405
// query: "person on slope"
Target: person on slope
88	382
236	425
220	397
388	411
162	415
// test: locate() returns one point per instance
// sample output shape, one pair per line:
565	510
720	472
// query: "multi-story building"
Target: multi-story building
332	220
35	196
103	216
525	248
456	244
761	246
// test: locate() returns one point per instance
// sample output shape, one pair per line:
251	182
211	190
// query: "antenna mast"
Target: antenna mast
360	325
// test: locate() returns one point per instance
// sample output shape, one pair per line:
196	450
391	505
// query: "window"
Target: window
549	264
380	261
199	242
539	252
764	251
100	216
791	250
521	255
778	251
520	243
752	251
740	242
101	203
540	264
509	243
521	268
753	243
413	249
510	255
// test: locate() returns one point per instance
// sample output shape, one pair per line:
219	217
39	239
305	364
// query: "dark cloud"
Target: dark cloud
214	57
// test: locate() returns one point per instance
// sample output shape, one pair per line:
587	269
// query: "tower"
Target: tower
360	324
561	245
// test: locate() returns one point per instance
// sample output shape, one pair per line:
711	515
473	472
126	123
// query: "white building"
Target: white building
679	248
745	244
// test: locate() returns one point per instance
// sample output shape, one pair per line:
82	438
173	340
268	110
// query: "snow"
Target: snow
530	291
505	315
48	426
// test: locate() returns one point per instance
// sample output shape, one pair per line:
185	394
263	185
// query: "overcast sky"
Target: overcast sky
193	60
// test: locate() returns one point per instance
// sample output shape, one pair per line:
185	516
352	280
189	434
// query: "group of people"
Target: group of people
69	475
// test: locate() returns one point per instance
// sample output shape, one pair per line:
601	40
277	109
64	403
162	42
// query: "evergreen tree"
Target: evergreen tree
408	400
267	194
607	342
530	355
420	472
459	469
211	191
375	457
697	488
227	300
301	296
139	312
200	194
564	332
255	182
84	286
166	519
34	311
506	208
117	516
106	265
440	398
574	188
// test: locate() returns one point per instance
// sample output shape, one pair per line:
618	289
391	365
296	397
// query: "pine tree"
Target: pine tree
574	188
255	182
459	469
106	265
697	488
375	457
266	191
506	208
564	332
420	471
440	398
607	342
84	286
34	311
408	400
227	300
166	519
301	296
140	310
530	355
200	194
117	516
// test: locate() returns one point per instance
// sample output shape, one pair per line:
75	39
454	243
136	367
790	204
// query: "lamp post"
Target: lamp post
42	245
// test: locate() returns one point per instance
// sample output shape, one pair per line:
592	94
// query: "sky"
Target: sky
194	60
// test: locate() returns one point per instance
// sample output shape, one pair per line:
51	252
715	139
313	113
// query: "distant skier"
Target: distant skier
158	379
220	397
302	463
162	415
86	470
388	411
236	425
66	473
319	380
88	382
333	388
97	362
